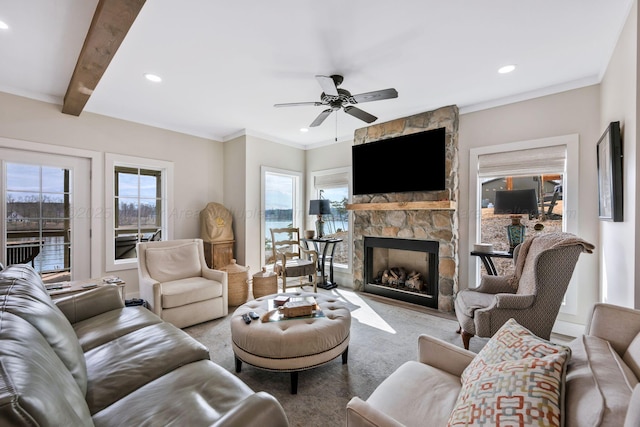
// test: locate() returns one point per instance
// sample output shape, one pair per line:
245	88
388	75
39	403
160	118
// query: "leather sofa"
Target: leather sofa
600	387
87	360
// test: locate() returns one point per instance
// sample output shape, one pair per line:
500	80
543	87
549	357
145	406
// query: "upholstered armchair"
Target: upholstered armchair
532	296
177	284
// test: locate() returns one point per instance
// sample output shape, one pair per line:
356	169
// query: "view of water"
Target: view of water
274	224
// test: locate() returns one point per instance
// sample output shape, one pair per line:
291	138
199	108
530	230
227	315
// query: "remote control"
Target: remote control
253	315
246	318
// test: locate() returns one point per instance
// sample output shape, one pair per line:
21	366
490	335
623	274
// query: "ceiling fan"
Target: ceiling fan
337	98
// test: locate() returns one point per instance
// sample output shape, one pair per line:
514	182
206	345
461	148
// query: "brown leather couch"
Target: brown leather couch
88	360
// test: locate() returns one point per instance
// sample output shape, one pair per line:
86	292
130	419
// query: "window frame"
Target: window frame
571	191
297	203
315	191
114	161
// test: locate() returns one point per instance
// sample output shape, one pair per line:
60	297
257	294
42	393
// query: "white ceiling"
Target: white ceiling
225	63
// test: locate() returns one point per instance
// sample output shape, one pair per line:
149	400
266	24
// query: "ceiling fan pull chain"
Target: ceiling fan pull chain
336	127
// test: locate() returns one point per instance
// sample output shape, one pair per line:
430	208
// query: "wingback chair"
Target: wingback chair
177	284
532	296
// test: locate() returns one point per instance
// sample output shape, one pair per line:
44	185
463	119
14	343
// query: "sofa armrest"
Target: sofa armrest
91	303
361	414
495	285
443	355
616	324
258	410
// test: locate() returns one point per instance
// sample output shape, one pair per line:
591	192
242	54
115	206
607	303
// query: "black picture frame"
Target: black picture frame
609	156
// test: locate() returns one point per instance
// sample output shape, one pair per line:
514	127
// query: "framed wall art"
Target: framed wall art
610	174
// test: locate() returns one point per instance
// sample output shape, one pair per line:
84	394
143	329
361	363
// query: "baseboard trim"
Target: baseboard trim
568	329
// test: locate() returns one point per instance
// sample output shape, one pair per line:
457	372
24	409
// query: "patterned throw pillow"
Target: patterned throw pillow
517	379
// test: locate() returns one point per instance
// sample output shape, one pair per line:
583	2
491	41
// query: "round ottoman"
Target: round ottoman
291	345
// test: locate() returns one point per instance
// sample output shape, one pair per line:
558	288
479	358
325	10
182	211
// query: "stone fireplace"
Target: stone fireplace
420	216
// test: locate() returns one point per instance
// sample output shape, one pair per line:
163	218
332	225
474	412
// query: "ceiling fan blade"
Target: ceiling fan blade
318	121
328	85
359	114
299	104
374	96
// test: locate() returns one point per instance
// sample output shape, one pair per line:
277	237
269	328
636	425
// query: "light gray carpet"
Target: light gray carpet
384	334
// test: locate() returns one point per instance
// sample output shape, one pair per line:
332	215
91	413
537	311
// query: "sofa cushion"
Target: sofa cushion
36	388
599	384
127	363
112	324
181	292
516	378
196	394
23	294
173	262
408	394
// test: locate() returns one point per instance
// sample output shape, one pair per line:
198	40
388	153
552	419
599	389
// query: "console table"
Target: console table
325	249
487	259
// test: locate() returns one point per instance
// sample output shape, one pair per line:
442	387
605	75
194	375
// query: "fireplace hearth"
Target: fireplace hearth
403	269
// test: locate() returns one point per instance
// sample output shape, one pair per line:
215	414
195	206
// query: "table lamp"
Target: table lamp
319	207
516	203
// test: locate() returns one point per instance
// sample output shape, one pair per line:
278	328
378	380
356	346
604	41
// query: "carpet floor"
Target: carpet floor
384	335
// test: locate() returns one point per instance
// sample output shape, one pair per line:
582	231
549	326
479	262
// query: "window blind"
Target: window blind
534	161
331	180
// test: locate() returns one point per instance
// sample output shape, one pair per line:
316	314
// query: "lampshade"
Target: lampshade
319	207
516	202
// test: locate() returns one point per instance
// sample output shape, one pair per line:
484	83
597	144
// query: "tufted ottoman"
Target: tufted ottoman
291	345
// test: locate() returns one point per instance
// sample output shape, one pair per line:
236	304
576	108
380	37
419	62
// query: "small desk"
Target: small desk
75	286
324	247
487	260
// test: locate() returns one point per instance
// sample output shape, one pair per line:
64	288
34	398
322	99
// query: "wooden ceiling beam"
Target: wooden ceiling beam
109	26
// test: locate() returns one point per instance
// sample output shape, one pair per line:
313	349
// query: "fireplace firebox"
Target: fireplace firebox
402	269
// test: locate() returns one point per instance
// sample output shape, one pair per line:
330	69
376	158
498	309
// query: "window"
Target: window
281	204
334	185
47	223
550	166
138	192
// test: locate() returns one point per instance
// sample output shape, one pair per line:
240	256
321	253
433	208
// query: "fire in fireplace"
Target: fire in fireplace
403	269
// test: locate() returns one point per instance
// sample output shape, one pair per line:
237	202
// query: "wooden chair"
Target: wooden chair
292	260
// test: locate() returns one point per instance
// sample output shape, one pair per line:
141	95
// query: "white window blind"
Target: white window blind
331	180
534	161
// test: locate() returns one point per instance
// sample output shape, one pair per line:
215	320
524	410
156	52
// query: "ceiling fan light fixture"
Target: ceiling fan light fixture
304	130
506	69
152	77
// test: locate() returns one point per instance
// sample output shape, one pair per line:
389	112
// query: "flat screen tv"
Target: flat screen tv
414	162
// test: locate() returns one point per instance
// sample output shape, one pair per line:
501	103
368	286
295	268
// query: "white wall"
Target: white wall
619	242
260	152
198	162
571	112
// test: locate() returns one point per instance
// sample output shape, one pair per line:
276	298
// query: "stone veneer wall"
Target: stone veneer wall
439	225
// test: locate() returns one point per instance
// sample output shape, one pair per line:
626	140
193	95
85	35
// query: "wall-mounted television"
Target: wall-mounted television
414	162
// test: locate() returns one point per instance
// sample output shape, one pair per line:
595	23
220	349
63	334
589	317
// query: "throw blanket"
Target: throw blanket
542	242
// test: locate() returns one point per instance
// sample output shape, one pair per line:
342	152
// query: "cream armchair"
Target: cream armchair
177	284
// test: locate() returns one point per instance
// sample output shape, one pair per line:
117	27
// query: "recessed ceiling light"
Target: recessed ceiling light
3	25
506	69
153	78
304	130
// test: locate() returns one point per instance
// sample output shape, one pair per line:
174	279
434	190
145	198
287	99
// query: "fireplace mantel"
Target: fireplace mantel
403	206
